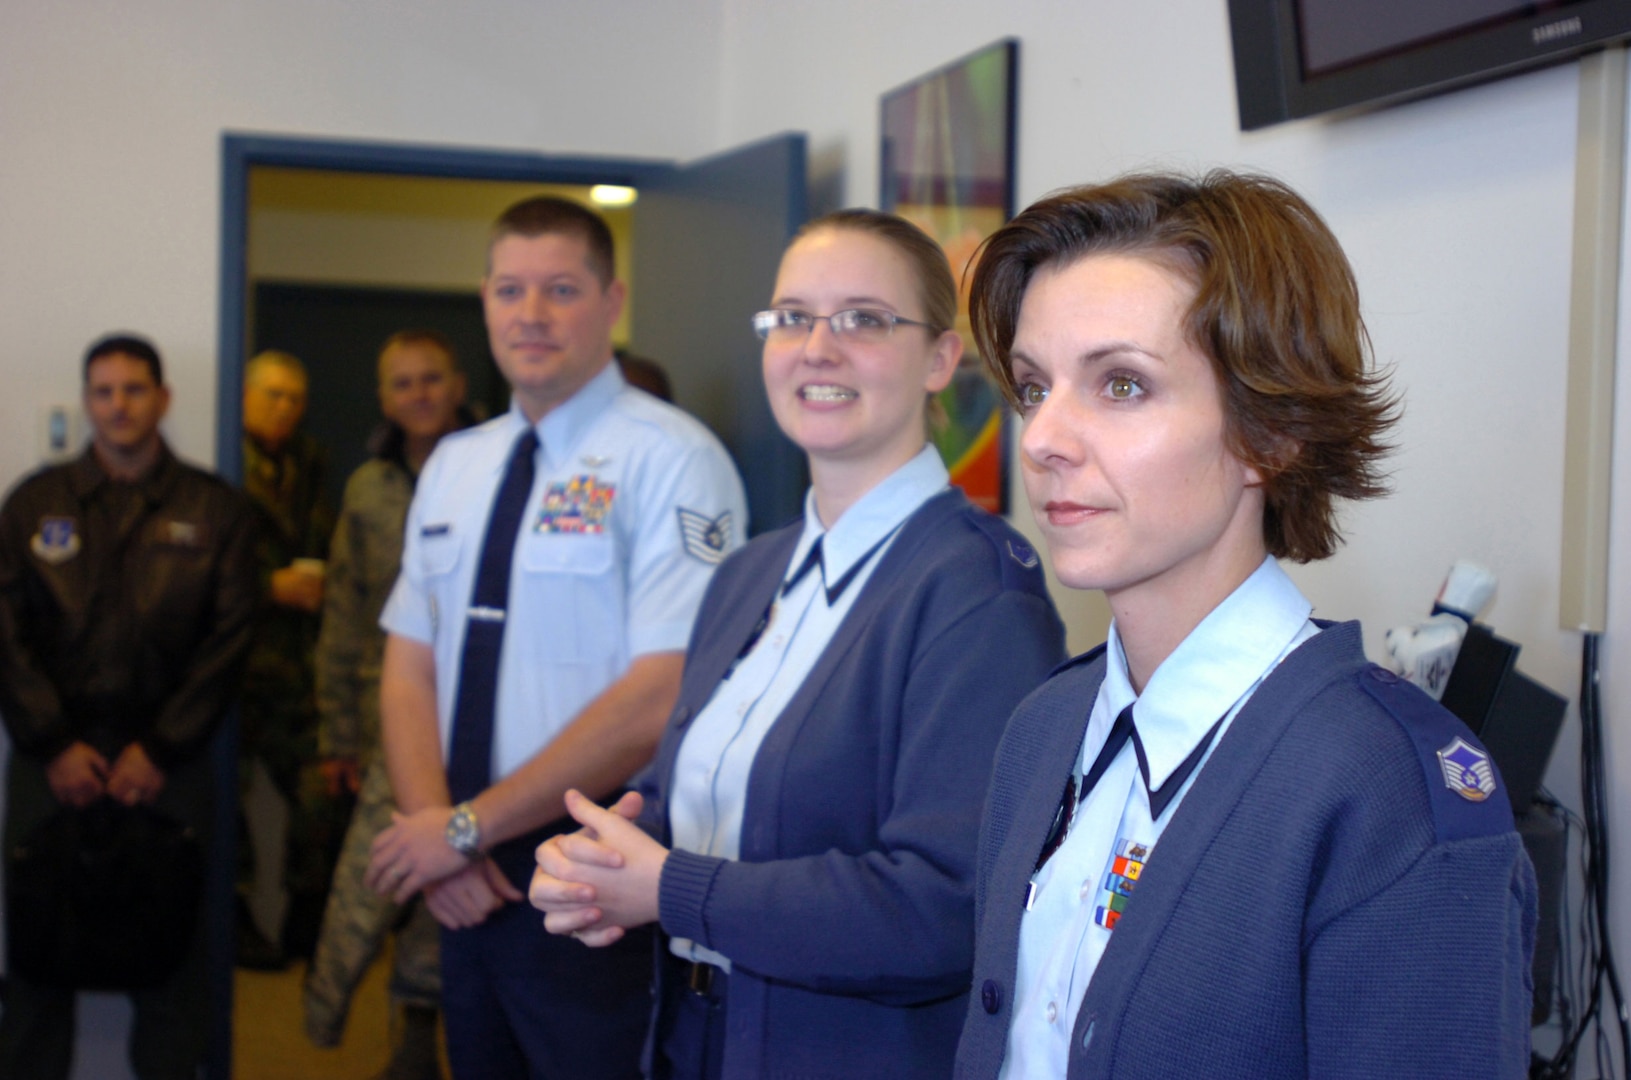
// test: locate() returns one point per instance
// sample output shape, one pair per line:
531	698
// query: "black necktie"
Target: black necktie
1113	742
469	765
815	558
812	559
1122	730
1165	794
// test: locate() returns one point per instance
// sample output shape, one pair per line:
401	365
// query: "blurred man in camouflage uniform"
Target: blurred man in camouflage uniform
283	475
421	393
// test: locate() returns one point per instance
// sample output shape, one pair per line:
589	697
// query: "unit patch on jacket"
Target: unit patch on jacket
1125	867
578	505
1467	771
57	541
705	538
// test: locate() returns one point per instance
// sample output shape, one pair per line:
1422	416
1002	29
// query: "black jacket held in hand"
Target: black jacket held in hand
125	610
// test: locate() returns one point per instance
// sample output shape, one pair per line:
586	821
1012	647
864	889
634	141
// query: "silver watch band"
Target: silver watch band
463	831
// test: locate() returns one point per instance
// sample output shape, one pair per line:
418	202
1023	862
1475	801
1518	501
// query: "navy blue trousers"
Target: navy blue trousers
690	1039
519	1002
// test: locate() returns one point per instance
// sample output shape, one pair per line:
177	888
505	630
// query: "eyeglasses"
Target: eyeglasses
855	324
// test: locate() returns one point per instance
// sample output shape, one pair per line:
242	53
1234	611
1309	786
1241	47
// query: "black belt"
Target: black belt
702	979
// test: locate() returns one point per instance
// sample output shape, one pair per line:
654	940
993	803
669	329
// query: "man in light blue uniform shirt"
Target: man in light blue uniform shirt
631	506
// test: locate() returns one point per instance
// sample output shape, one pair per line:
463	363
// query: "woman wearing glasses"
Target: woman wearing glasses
811	814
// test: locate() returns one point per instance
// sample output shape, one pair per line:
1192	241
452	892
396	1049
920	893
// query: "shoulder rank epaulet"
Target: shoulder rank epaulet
1464	787
1021	563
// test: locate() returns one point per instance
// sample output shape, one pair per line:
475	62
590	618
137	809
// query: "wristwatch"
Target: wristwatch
463	833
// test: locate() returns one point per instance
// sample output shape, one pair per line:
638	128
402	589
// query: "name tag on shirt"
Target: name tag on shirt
182	534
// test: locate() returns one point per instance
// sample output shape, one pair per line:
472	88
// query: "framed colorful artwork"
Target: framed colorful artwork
947	164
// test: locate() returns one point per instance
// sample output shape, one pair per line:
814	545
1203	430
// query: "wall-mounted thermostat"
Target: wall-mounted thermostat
59	433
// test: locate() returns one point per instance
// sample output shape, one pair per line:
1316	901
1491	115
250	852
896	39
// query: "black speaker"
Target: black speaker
1543	838
1516	718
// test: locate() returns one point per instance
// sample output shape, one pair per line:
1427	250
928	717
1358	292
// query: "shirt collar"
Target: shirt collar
1223	658
561	429
86	474
871	517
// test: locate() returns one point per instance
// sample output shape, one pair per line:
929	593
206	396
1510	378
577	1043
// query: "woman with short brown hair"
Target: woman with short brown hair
1222	845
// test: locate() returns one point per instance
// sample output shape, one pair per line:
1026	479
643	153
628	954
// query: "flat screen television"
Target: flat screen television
1296	58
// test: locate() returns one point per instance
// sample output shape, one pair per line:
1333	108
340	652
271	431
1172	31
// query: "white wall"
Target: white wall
1455	211
110	177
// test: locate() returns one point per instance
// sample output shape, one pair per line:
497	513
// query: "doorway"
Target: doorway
706	240
337	261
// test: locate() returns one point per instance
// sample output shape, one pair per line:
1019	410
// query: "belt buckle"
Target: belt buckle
700	979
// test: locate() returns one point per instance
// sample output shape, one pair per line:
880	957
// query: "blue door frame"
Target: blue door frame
783	210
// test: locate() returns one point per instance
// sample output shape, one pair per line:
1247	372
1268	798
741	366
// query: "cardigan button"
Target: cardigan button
991	996
1087	1035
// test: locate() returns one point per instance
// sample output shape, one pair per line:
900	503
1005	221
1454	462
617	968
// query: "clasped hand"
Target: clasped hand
413	854
80	775
602	880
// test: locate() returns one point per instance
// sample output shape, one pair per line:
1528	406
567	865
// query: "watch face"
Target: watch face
462	834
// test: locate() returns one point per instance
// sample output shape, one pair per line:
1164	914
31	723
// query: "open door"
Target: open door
709	238
705	248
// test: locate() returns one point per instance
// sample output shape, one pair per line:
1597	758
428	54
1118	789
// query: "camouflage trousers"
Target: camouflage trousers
356	921
281	734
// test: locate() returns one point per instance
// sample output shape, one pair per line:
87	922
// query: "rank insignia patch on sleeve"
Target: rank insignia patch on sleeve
1467	771
705	538
1023	553
57	541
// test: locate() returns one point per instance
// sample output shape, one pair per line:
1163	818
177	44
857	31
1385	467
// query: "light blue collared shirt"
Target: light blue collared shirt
1210	675
633	505
709	789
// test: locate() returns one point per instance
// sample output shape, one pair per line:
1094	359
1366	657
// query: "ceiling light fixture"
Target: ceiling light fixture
613	195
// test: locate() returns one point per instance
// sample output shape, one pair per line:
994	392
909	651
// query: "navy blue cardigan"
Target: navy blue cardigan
1321	903
849	918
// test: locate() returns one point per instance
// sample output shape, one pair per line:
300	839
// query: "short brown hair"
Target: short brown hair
936	288
548	215
1276	310
435	339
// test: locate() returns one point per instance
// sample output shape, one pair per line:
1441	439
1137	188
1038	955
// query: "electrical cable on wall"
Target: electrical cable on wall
1597	967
